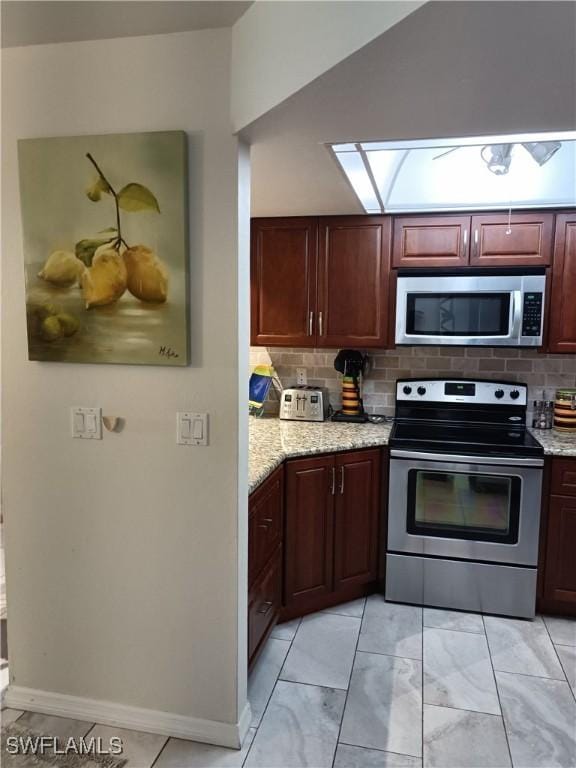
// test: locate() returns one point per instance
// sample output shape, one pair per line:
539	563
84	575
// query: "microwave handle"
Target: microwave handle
516	329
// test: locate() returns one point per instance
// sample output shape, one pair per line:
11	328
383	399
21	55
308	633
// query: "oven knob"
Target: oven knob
407	390
421	390
514	394
499	393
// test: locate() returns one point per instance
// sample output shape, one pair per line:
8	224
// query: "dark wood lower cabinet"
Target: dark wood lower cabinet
264	602
308	547
265	557
357	513
558	590
332	520
560	573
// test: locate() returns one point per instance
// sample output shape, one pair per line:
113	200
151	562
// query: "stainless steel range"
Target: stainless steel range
464	497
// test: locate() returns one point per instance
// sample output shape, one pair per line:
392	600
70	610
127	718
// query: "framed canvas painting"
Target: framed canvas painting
106	248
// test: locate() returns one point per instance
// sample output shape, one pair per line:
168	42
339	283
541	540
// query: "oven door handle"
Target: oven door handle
460	459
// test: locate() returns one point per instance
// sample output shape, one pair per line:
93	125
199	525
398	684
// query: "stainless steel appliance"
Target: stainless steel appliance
305	404
475	307
464	497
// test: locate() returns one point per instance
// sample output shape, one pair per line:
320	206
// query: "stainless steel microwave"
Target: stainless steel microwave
478	307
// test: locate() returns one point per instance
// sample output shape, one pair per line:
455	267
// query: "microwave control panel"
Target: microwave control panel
532	314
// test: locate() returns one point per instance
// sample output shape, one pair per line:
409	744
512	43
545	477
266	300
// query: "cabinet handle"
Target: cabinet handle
310	323
476	241
333	485
265	607
341	480
267	520
320	324
464	242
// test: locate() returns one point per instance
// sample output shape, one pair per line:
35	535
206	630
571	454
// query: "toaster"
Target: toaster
305	404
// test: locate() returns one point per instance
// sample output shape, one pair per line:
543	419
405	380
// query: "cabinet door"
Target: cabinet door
283	282
431	241
560	573
528	241
265	522
357	518
309	536
354	259
562	323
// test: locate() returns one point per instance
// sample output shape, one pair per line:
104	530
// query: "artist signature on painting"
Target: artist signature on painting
167	352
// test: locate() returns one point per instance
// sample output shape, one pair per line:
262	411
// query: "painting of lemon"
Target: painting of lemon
105	248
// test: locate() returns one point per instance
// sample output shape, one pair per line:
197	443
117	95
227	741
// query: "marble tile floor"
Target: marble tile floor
369	684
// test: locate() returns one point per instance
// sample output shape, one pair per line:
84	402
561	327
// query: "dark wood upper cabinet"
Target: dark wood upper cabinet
357	518
308	544
431	241
354	265
283	281
527	242
562	316
560	569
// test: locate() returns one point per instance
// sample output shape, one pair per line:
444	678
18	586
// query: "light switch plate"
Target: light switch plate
86	423
191	428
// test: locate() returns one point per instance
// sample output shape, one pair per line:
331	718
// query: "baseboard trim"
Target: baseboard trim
135	718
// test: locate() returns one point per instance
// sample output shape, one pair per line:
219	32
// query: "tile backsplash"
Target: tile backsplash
539	371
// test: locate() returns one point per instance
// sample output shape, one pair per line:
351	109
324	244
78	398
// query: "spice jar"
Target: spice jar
565	410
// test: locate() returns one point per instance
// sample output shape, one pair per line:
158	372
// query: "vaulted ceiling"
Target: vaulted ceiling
448	69
35	22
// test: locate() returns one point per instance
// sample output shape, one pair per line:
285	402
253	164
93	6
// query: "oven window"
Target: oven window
458	314
464	505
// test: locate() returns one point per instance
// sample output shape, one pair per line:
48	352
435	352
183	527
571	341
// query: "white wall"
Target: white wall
279	47
122	555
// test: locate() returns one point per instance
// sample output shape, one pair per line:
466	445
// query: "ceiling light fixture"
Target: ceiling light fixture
542	151
497	157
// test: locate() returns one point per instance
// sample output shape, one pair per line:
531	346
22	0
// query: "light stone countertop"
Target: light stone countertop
555	443
273	440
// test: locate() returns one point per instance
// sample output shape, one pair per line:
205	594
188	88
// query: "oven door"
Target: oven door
475	310
465	507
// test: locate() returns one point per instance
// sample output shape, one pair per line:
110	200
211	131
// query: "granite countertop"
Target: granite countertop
273	440
555	443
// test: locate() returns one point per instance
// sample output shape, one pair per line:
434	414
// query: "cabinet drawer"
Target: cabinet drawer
564	477
264	603
265	522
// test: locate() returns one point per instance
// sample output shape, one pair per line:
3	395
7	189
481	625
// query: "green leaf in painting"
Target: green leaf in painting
135	197
108	229
85	249
94	191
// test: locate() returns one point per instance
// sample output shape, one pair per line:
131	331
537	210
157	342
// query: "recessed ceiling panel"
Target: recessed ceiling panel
471	173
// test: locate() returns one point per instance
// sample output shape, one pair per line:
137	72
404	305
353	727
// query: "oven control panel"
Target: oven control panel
462	391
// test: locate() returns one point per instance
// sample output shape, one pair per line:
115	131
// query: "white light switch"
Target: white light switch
87	423
191	428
